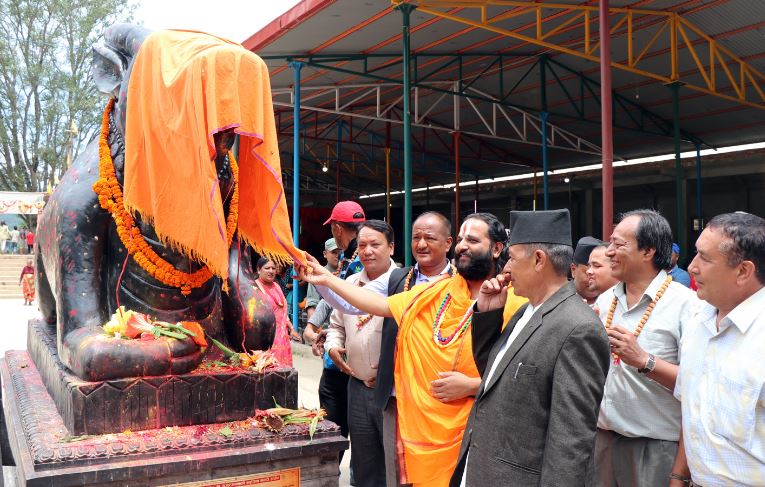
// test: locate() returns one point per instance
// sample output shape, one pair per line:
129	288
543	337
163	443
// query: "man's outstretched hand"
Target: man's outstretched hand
493	294
313	272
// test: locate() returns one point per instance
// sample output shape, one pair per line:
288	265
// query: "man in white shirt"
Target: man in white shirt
645	314
431	241
15	236
353	343
722	376
5	236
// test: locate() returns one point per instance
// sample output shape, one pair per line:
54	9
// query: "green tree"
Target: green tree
46	89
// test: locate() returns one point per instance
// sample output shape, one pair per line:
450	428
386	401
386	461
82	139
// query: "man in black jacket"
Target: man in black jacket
482	240
534	418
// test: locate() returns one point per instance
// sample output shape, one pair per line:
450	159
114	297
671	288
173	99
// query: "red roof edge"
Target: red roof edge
279	26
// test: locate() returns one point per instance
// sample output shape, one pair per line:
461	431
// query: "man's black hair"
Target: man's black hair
379	226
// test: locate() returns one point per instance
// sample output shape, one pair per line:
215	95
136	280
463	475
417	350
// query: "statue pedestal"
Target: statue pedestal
199	397
228	454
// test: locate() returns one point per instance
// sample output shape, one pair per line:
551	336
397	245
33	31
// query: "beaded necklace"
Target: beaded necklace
362	320
643	319
343	261
411	274
408	279
467	318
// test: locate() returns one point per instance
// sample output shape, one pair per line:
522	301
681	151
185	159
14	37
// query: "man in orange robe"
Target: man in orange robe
434	336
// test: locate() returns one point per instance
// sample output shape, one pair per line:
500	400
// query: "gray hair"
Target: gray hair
560	256
747	239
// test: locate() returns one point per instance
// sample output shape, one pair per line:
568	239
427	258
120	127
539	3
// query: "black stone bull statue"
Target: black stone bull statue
80	260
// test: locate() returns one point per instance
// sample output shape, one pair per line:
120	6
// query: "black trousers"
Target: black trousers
365	423
333	398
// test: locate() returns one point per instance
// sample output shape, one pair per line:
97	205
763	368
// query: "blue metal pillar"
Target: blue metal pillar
406	10
296	67
698	188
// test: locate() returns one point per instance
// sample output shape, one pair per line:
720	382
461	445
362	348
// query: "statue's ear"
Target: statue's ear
109	68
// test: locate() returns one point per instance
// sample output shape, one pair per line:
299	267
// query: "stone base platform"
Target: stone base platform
209	395
224	454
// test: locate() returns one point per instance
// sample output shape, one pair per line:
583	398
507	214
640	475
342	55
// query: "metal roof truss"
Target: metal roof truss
499	121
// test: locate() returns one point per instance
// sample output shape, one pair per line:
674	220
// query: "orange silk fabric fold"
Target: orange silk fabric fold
429	430
184	87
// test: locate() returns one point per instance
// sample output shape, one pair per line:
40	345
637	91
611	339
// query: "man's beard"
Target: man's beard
478	269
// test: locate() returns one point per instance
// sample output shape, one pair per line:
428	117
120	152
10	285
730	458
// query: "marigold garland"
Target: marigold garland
109	192
343	261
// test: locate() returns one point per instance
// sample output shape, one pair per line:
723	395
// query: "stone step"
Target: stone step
11	289
10	271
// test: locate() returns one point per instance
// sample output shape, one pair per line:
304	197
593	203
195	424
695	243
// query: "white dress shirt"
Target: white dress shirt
722	388
633	405
362	344
519	326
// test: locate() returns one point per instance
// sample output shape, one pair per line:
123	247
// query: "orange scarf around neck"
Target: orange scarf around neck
185	87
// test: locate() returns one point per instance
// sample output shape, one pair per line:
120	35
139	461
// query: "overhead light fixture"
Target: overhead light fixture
324	167
567	180
589	167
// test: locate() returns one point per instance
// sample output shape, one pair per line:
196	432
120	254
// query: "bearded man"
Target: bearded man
433	337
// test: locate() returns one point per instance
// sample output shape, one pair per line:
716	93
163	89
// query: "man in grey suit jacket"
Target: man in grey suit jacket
535	414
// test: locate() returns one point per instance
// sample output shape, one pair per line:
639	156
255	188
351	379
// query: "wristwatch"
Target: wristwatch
650	364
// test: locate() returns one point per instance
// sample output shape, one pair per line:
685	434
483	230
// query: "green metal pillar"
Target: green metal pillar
406	10
543	116
296	67
681	233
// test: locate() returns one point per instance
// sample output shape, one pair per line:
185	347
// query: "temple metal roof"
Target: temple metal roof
487	69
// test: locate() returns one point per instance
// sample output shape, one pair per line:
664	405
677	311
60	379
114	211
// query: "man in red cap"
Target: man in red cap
333	386
344	223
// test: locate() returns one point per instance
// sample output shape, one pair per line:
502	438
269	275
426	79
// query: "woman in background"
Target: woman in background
27	281
282	348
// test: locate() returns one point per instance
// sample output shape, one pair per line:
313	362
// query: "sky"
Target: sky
237	22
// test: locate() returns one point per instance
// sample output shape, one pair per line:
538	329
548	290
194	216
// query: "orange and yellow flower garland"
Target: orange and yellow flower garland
110	197
643	319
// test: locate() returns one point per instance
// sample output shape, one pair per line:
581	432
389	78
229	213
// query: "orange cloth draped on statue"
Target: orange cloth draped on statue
429	430
185	87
